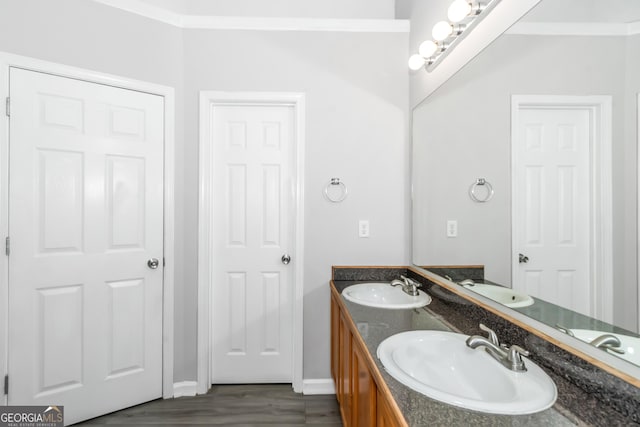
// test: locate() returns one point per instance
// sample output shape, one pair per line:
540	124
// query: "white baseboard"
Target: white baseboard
184	388
319	386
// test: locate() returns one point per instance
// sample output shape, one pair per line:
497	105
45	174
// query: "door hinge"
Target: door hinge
7	105
7	246
6	384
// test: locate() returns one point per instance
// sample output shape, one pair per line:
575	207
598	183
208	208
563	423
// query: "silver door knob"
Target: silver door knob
153	263
286	259
522	258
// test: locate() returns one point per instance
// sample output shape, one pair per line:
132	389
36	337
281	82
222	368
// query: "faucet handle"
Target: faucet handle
492	335
564	329
515	357
409	281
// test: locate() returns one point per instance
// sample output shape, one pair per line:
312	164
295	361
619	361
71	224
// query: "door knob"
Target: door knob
286	259
153	263
522	258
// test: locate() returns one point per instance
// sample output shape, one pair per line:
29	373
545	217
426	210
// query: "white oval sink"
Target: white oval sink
383	295
504	296
630	345
439	365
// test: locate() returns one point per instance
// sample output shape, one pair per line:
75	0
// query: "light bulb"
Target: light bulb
459	10
428	48
416	62
441	30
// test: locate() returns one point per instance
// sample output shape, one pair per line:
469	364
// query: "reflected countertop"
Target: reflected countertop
586	394
377	324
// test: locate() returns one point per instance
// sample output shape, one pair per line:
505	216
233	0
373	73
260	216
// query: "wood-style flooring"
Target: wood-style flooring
232	405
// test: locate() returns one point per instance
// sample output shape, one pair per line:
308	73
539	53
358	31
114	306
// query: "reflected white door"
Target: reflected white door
86	215
253	228
552	205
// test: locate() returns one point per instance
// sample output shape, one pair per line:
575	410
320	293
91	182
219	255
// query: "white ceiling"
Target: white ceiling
318	9
608	11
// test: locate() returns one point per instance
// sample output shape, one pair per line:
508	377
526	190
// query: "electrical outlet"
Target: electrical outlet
363	228
452	228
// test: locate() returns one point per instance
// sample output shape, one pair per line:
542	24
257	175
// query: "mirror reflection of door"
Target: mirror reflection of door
554	222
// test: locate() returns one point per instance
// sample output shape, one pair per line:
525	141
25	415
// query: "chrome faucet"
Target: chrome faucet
510	357
608	342
565	330
409	286
467	282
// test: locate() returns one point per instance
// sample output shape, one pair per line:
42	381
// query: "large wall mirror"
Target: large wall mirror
526	163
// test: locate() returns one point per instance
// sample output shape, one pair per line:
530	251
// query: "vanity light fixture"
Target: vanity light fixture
459	10
463	15
443	30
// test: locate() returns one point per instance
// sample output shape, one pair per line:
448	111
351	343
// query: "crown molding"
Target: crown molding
146	10
574	29
258	23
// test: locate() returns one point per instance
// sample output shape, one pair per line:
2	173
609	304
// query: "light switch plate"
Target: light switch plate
452	228
363	228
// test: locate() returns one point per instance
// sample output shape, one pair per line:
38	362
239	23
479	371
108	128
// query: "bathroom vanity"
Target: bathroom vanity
369	396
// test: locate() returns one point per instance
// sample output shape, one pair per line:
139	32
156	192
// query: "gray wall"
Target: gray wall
356	86
463	131
90	35
357	90
629	293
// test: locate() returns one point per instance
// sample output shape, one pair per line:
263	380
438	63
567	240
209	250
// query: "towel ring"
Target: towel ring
481	182
335	191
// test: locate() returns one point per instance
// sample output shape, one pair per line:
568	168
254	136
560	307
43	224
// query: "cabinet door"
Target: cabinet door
384	415
344	370
364	391
335	340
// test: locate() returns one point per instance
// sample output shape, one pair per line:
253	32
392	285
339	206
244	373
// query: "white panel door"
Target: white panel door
552	210
252	222
86	214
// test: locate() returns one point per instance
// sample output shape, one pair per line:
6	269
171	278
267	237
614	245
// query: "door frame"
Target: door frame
209	100
8	61
601	186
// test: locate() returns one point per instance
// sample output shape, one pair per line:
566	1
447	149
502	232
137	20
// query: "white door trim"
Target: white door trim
638	210
209	99
9	60
601	187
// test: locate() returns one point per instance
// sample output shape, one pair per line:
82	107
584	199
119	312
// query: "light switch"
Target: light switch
363	228
452	228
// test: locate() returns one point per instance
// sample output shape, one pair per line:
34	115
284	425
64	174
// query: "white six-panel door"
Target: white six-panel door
85	217
252	222
552	205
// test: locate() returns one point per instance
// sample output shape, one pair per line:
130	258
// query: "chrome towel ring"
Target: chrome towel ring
481	198
335	191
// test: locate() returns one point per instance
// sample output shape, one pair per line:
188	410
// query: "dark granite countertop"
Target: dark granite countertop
376	324
543	311
586	394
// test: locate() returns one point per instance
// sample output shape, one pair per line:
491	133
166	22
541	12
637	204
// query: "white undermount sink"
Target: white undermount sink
439	365
630	345
504	296
383	295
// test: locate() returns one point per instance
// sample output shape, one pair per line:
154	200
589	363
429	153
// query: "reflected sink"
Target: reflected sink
504	296
439	365
630	345
383	295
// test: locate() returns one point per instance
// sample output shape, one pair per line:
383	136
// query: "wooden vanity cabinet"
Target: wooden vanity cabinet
384	415
364	401
345	391
365	392
335	340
